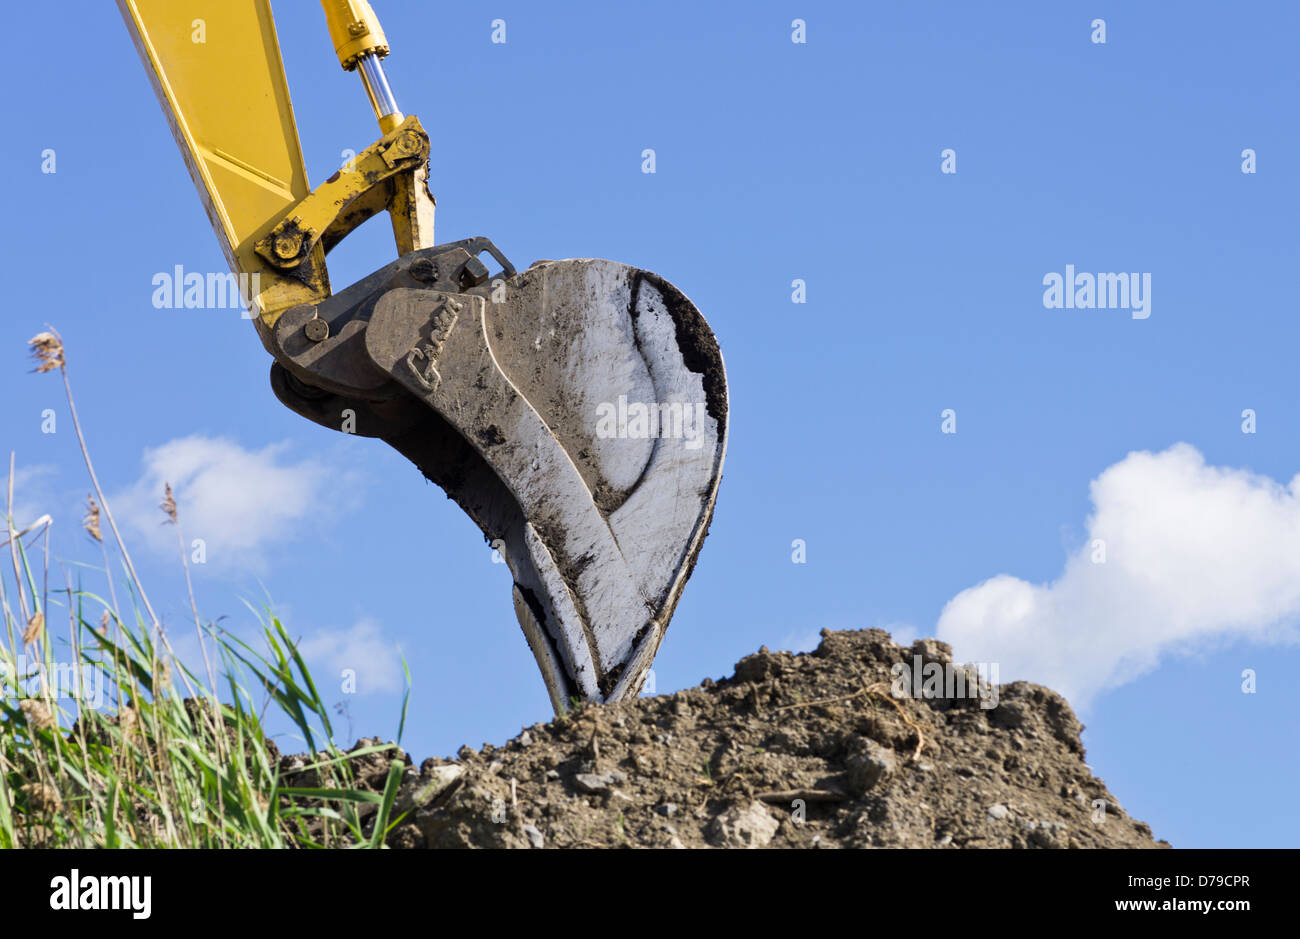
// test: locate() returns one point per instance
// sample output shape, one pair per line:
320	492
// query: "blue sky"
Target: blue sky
775	161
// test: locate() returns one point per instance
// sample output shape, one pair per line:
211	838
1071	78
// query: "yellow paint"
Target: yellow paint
216	67
354	30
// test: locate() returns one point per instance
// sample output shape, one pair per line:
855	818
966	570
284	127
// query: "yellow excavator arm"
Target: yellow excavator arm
216	67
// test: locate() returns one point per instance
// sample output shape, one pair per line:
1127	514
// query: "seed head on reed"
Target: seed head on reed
47	350
35	626
91	521
38	715
41	797
169	503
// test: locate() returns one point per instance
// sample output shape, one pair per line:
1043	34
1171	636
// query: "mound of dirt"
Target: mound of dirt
862	743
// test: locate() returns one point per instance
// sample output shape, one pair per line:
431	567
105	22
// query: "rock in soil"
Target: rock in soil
822	749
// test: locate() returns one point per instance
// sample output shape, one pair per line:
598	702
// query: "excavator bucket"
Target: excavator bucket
577	410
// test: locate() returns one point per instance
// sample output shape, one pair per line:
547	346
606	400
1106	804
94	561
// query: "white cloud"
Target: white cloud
33	493
363	650
901	633
237	501
1194	555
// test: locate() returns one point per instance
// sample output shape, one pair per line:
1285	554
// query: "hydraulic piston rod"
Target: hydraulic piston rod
360	44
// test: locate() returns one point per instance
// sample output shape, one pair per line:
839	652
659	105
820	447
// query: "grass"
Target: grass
113	742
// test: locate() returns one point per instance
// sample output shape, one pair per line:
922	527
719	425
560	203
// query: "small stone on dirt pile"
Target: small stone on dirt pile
747	827
870	767
591	783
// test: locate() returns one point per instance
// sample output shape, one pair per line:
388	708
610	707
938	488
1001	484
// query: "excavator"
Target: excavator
575	410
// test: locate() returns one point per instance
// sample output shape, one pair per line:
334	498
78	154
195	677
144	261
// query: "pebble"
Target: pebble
534	836
750	826
424	788
998	811
1048	834
869	768
591	782
932	650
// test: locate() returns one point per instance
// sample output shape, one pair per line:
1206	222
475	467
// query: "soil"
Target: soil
816	750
